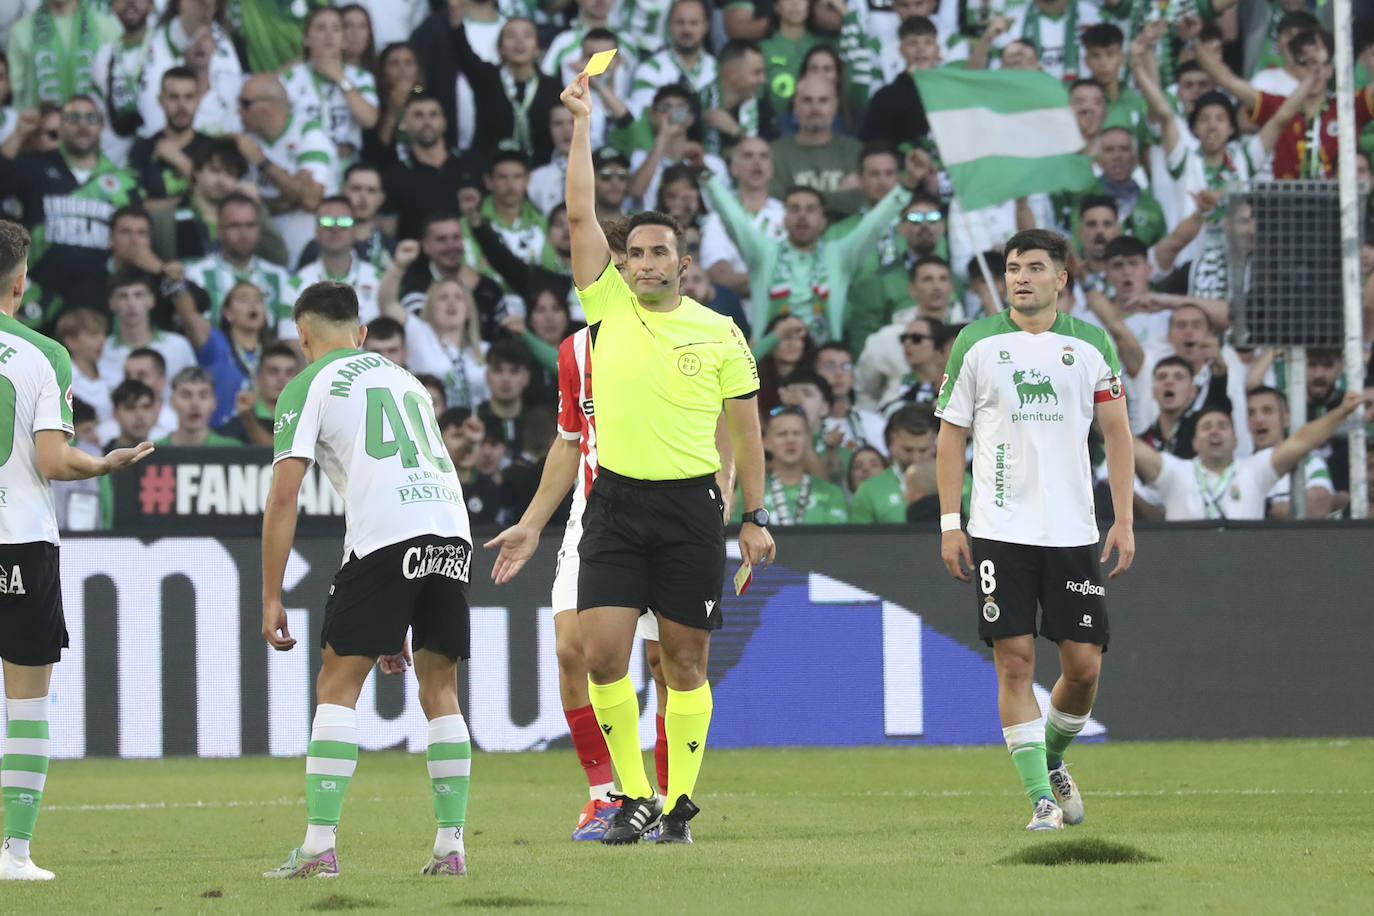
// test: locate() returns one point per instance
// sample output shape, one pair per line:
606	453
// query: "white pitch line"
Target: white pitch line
169	806
955	793
909	793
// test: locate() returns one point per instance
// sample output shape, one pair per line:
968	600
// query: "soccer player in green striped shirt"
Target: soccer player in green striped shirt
407	554
35	430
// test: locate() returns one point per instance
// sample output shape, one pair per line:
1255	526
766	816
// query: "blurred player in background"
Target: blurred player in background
407	553
36	413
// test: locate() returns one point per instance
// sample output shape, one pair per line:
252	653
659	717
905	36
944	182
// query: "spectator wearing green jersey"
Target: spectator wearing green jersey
674	117
1104	55
272	30
734	106
817	157
241	238
563	59
910	435
51	50
686	63
804	274
866	462
295	161
324	87
798	26
196	35
67	198
193	400
189	229
790	494
881	275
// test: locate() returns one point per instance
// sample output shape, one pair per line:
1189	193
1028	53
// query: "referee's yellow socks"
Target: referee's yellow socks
686	722
617	711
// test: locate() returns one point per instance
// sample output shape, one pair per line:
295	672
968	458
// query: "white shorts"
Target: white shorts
564	597
565	572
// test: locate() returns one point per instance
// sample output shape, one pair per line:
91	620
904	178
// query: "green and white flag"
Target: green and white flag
1003	134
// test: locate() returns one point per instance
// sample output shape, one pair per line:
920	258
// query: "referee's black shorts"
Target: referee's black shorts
654	544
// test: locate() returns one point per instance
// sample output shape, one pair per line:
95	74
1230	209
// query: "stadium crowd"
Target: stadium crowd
186	166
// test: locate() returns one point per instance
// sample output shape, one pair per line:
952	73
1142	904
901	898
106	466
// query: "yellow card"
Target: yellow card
743	576
599	62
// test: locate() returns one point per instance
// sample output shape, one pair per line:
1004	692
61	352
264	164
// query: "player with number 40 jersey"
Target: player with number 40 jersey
407	554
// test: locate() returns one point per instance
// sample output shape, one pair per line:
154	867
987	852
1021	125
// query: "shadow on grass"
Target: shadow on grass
501	902
340	902
1079	852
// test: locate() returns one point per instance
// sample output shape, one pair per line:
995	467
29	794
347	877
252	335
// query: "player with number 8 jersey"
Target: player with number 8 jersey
1029	382
407	553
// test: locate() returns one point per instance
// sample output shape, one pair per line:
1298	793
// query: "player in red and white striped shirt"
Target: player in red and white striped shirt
572	462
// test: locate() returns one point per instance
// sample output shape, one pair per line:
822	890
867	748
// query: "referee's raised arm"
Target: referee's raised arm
590	253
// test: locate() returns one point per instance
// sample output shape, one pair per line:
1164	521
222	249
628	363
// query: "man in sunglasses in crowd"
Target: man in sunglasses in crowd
338	261
295	160
611	179
73	192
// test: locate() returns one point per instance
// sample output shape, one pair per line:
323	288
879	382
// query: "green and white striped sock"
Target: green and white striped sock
24	770
331	759
1026	741
1060	729
449	758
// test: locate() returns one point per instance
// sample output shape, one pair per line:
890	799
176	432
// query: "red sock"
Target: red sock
661	754
590	746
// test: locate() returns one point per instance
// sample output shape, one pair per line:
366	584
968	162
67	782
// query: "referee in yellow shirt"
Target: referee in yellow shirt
653	537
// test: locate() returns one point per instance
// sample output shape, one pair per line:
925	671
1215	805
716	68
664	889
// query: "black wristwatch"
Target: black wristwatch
757	517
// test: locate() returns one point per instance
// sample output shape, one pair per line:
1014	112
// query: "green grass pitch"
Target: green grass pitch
1234	827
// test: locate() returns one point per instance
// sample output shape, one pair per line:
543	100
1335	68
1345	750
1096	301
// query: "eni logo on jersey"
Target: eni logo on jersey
1034	389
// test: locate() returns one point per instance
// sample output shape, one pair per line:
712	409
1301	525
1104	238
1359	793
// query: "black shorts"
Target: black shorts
654	544
33	631
1066	583
421	583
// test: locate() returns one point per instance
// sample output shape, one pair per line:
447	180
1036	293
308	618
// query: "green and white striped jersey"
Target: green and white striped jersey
35	394
1030	399
647	21
217	276
303	144
370	425
317	99
666	68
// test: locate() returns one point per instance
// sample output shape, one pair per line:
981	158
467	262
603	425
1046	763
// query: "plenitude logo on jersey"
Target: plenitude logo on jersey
1034	389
